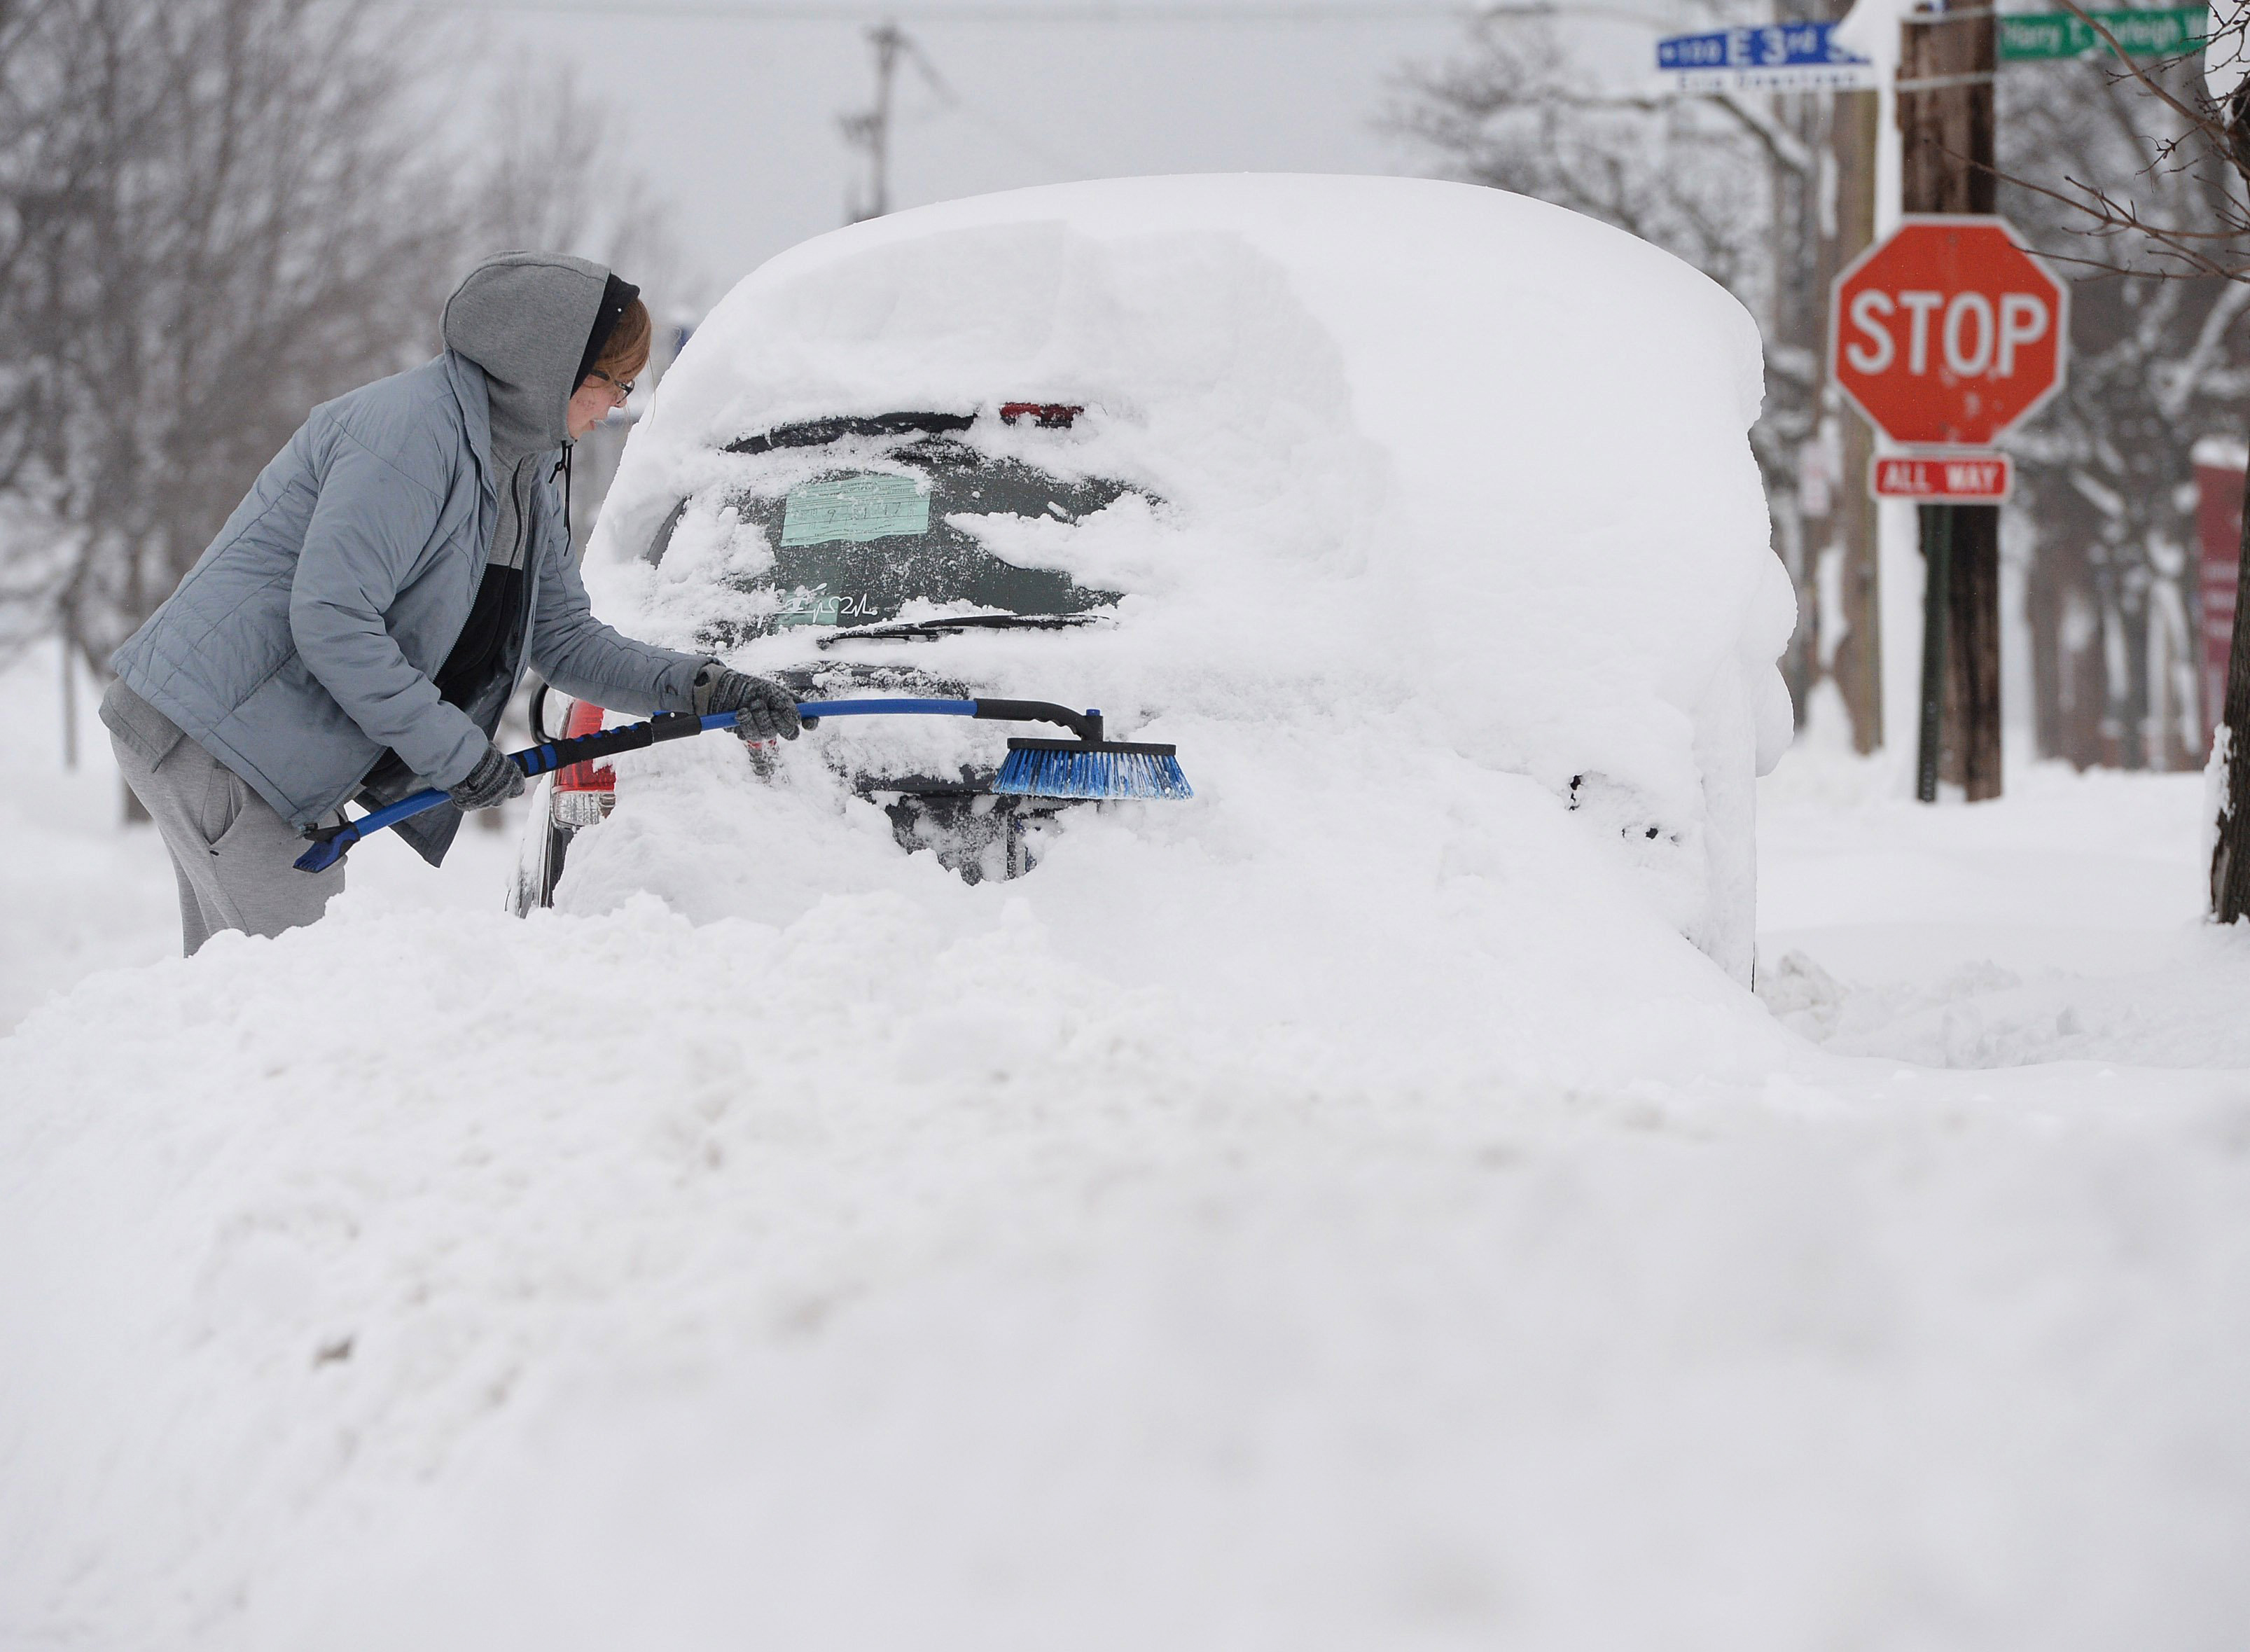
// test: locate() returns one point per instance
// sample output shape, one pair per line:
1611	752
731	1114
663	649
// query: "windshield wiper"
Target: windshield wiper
953	625
819	433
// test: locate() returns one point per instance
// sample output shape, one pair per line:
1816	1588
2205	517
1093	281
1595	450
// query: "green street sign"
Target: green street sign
2029	37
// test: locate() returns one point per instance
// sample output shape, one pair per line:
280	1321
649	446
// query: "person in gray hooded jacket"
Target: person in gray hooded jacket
359	623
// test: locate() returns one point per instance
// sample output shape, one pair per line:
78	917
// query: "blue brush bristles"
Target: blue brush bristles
1063	770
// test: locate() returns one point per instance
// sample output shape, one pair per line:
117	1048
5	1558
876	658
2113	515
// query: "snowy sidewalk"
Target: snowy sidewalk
2062	922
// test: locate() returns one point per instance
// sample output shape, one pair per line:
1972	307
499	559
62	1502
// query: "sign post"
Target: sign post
1944	336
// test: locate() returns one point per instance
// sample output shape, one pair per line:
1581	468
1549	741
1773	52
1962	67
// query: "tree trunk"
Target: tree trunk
69	652
2134	702
2043	610
2230	855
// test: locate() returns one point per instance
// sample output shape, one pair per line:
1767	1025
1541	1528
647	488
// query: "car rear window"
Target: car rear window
853	545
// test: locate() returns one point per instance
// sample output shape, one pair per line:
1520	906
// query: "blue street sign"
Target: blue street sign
1776	57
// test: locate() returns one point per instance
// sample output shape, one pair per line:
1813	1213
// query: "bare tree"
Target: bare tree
1513	111
213	215
2182	217
217	226
550	176
2183	213
2155	364
1732	184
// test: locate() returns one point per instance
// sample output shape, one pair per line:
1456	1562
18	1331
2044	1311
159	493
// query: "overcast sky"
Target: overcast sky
732	107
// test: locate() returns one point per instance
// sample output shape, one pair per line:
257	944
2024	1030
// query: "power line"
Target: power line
869	131
1088	12
951	100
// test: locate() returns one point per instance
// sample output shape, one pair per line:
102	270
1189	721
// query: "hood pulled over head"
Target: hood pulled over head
528	319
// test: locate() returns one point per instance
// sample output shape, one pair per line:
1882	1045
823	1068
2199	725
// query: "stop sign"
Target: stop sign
1949	332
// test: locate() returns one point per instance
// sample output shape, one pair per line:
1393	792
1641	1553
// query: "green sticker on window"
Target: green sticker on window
854	507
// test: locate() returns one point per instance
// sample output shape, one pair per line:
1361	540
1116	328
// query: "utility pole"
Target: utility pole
1857	661
1945	113
870	129
1796	325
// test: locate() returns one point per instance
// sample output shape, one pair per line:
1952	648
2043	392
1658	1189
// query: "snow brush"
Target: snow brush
1088	767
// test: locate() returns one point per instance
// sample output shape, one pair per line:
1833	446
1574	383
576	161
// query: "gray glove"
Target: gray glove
493	781
763	710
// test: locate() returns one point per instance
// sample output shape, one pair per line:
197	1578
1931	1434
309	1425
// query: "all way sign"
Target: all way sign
1983	478
1778	57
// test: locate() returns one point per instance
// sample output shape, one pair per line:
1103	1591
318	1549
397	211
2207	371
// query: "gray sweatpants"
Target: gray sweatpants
230	852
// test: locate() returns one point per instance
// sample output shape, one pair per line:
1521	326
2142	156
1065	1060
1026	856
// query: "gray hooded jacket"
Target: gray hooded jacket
303	642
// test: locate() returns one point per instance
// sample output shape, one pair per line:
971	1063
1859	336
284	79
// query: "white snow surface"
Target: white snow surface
77	896
1457	507
888	1277
1343	1211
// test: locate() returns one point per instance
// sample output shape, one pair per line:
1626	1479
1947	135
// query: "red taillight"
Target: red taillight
586	776
1045	415
584	791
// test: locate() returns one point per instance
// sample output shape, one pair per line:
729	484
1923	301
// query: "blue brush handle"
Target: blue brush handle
559	754
813	710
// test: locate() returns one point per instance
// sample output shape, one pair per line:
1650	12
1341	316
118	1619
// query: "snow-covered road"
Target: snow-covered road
972	1302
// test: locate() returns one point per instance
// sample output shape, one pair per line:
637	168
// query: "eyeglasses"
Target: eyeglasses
620	389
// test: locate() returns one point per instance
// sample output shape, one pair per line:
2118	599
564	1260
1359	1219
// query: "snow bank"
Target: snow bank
1342	1211
886	1277
70	903
1443	470
81	890
623	1280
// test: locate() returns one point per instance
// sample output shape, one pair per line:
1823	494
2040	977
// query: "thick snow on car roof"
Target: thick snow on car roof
1438	466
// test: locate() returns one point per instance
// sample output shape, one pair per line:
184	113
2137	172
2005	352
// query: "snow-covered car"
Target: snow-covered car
866	517
1372	494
